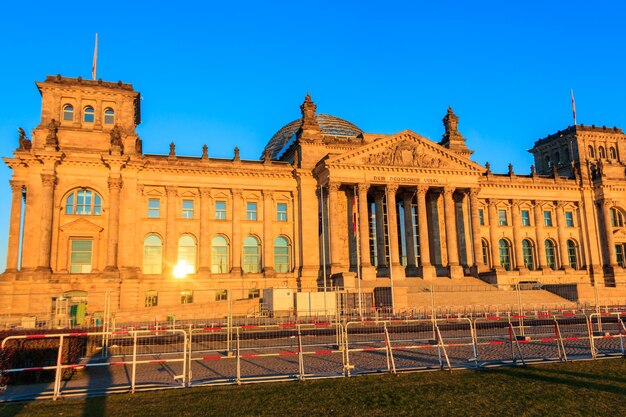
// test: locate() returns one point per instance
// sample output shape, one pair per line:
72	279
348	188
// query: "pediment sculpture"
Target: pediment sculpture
408	154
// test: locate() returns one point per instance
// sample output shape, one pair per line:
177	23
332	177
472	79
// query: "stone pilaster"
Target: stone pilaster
608	232
560	222
516	218
367	269
426	269
205	232
237	213
392	224
171	240
13	249
333	226
381	250
407	199
456	271
268	244
115	186
539	233
493	234
47	196
476	239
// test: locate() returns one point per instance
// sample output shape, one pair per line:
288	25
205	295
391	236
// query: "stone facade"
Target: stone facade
327	204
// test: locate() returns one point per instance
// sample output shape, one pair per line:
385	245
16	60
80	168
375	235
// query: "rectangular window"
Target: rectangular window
619	254
569	219
281	212
152	299
186	297
221	295
547	218
481	217
525	218
187	209
154	208
250	211
254	293
502	217
80	258
220	210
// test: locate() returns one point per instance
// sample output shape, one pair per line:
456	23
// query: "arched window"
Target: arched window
592	152
68	112
89	114
109	116
617	218
281	255
527	253
485	247
601	153
219	255
84	202
612	153
186	254
504	249
572	253
550	254
152	255
251	255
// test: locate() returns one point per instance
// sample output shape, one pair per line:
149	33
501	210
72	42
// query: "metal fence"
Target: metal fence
134	360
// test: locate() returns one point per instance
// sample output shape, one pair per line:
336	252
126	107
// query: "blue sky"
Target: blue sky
232	73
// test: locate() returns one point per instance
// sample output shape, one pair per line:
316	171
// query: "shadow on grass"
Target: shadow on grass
562	377
100	379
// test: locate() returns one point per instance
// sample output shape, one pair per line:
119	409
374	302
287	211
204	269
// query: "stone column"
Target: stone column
115	185
493	234
367	269
608	231
411	267
517	234
392	224
560	223
205	231
236	244
268	241
171	242
476	239
13	249
333	226
381	250
47	196
541	244
426	269
456	271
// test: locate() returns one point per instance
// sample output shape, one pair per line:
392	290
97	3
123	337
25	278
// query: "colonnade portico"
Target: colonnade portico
400	240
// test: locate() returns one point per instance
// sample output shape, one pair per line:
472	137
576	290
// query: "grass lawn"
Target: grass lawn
589	388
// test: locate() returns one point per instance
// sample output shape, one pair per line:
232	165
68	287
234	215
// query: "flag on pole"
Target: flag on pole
354	214
95	59
573	106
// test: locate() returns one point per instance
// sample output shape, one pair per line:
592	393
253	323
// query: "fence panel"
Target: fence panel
607	332
322	349
212	356
494	341
414	344
366	347
574	332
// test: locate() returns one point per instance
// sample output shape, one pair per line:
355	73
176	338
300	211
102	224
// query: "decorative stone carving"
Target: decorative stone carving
51	138
116	140
172	149
24	143
406	153
48	180
115	183
308	109
236	156
138	146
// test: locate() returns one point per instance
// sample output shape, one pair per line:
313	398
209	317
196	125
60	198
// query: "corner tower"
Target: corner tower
93	116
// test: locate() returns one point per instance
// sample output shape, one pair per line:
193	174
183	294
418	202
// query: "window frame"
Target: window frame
187	212
251	210
83	267
68	110
504	252
547	218
220	267
569	219
282	261
154	210
108	118
83	202
150	268
502	217
526	218
551	254
186	297
281	215
481	216
89	112
220	213
184	253
151	298
251	263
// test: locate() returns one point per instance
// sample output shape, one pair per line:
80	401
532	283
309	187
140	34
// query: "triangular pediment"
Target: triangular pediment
406	149
81	225
620	235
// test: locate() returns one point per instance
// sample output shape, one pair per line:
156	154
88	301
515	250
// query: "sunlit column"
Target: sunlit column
560	223
236	246
115	185
493	233
268	241
171	240
476	240
47	195
608	231
539	233
205	230
517	234
14	226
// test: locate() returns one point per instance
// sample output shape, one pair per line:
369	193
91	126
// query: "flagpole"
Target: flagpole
573	106
94	66
357	230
